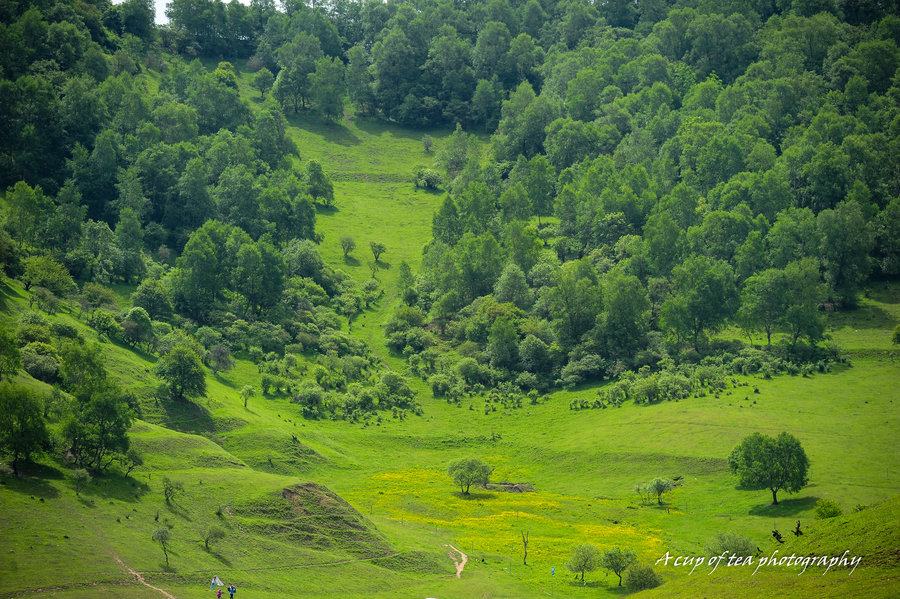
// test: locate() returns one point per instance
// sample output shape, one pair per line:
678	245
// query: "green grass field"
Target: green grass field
347	510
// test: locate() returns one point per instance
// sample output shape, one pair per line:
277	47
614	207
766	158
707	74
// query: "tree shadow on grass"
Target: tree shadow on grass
177	510
885	294
435	191
323	209
475	495
187	417
333	131
351	261
168	568
6	292
587	584
225	381
377	127
140	352
85	501
114	486
32	481
785	507
220	557
865	316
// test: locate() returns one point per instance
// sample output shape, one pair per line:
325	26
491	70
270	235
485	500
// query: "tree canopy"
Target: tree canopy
467	472
182	369
764	462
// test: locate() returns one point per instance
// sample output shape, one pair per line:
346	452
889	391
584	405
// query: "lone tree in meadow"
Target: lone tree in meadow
658	486
171	489
183	372
246	393
161	536
584	559
763	462
617	560
212	534
468	472
348	244
377	249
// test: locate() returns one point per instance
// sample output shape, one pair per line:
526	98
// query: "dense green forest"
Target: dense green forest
640	201
654	173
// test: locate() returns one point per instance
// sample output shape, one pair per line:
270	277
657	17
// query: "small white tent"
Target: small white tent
215	582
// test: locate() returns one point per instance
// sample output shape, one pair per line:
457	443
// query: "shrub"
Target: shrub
440	384
428	178
309	395
641	576
64	331
528	380
41	361
826	508
590	367
81	478
732	543
472	372
28	332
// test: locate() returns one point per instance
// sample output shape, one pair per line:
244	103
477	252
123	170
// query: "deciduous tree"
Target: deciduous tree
584	559
763	462
348	244
23	431
161	535
263	81
182	369
468	472
377	249
617	560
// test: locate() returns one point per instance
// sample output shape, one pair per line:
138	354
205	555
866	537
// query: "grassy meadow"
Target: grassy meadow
334	509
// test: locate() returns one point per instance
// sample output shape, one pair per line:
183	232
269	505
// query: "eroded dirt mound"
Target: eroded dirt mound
314	516
511	487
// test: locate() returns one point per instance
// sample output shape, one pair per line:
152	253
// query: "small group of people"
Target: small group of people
216	582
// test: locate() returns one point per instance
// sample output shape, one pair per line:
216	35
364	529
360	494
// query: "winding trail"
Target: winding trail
461	563
141	580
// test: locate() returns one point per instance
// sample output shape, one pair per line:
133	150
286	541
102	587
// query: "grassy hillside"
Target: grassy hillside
320	508
283	527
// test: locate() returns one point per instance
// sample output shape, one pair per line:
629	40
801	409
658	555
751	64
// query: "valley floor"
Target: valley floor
334	509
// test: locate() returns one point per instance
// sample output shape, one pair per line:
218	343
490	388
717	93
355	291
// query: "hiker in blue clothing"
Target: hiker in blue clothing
231	591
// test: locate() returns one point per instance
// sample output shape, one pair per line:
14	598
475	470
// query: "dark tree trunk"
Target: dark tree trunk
774	496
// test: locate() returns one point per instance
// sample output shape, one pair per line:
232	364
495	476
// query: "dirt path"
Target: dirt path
141	580
460	563
283	567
